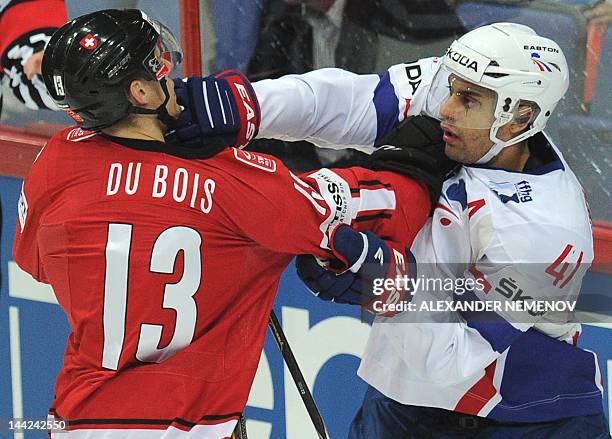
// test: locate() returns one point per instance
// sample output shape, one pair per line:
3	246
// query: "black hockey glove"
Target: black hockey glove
416	149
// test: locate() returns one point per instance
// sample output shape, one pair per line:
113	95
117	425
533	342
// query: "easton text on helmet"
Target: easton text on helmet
541	48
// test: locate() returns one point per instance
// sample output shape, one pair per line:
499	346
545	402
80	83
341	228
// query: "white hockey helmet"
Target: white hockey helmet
517	64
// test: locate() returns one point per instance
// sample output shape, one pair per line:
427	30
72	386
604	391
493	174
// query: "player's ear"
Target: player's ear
139	92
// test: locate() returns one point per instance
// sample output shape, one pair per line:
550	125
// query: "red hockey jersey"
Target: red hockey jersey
167	269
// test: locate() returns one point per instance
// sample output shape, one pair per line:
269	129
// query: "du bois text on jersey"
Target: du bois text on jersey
138	180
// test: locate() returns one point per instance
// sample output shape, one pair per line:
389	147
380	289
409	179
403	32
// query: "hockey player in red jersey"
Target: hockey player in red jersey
167	267
26	28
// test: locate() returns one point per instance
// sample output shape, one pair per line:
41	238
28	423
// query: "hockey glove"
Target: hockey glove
415	148
219	111
328	285
371	266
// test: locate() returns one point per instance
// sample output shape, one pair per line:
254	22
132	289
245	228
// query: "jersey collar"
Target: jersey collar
544	158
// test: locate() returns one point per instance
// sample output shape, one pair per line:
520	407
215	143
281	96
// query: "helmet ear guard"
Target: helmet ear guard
513	117
510	113
528	114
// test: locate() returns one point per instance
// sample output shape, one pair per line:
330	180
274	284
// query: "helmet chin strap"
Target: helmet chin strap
499	145
161	111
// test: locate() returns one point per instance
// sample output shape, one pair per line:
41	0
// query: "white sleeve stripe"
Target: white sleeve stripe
376	199
222	110
316	205
205	94
359	262
598	378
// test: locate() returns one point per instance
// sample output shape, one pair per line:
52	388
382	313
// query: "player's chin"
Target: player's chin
454	151
459	153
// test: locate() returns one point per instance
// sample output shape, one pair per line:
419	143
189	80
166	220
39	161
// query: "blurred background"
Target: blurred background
270	38
267	39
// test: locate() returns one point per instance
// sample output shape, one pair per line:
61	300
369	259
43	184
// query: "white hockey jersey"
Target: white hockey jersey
524	236
334	108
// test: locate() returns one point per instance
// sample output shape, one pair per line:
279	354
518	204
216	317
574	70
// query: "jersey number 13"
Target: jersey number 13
178	297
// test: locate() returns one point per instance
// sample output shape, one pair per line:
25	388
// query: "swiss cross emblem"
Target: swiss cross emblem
89	42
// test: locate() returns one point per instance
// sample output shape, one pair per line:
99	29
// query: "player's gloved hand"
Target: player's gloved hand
328	285
367	261
418	153
219	111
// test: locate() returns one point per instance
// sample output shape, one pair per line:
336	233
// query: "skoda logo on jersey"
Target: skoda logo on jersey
516	192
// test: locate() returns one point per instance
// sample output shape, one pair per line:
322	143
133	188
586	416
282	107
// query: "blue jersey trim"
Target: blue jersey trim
457	192
491	326
547	379
387	107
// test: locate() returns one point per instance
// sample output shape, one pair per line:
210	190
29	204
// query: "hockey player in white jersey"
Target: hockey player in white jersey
513	220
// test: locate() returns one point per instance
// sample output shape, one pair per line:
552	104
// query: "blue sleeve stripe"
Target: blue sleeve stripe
491	326
387	107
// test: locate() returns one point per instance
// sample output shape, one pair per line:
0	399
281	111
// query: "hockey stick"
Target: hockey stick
298	378
240	432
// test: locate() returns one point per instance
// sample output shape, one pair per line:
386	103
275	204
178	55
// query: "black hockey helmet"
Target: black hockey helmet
90	61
